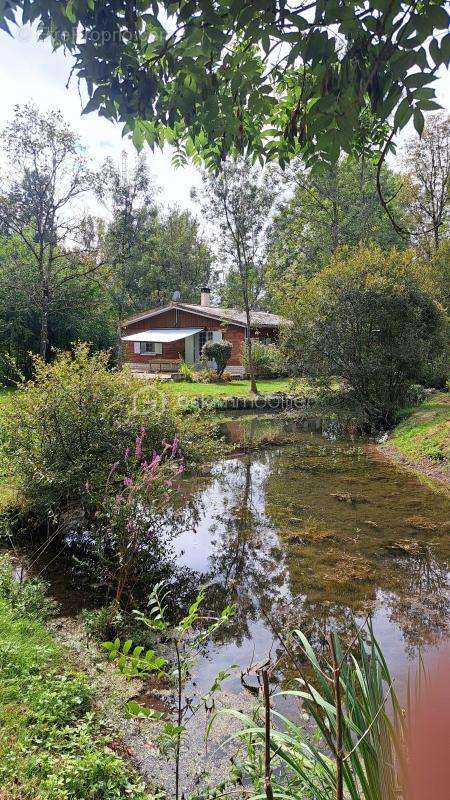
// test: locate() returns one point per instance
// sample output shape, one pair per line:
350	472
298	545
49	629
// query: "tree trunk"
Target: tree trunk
43	345
251	368
119	346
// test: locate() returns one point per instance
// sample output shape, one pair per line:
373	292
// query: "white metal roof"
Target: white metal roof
162	335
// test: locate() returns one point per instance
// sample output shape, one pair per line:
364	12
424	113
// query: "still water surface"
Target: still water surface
310	535
313	535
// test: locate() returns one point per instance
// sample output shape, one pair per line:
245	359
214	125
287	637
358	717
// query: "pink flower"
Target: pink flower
138	447
168	483
126	453
181	469
127	482
175	444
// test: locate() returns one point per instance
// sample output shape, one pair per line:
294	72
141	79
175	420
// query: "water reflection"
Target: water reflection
313	535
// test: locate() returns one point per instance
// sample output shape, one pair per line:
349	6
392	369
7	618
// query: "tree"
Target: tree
427	162
438	268
129	197
369	320
339	206
177	258
272	78
46	172
238	201
78	312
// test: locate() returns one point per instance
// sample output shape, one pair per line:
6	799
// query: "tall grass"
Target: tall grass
356	749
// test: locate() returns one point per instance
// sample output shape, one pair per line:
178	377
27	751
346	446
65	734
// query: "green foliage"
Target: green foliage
268	360
369	320
125	517
339	206
427	164
45	172
27	597
371	721
186	371
94	775
438	269
62	701
65	428
78	311
186	640
273	79
220	352
49	742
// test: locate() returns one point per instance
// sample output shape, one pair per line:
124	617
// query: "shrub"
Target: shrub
125	520
219	352
186	371
64	428
211	376
28	597
369	320
267	360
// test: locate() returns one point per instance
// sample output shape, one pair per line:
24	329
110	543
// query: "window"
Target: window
204	336
147	348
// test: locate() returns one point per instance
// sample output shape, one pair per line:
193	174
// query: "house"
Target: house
159	339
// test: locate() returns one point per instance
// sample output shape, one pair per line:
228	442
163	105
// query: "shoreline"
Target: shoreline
435	475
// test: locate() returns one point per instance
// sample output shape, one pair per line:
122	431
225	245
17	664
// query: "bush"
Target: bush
211	376
267	360
186	372
369	320
66	427
28	597
219	352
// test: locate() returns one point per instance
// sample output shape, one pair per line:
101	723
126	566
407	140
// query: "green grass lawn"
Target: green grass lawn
237	388
426	432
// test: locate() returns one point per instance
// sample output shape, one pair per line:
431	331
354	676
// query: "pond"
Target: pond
311	534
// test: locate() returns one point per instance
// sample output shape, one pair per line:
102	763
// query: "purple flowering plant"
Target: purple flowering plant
128	515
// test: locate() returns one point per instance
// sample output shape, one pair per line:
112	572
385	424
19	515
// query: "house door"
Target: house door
189	349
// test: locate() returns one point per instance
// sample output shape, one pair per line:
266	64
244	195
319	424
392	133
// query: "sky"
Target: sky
29	70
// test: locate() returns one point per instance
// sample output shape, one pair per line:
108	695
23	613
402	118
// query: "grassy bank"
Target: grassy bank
422	440
237	388
50	744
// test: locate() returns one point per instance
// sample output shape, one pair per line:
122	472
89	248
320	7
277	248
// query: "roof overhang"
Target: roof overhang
162	335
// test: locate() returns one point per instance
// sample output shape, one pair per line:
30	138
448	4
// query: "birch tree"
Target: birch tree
46	172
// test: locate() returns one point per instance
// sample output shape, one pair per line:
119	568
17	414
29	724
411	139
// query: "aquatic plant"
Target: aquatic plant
356	751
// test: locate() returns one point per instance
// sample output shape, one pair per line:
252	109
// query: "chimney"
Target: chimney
205	296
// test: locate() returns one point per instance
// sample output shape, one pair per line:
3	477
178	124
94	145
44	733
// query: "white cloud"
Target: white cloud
29	70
